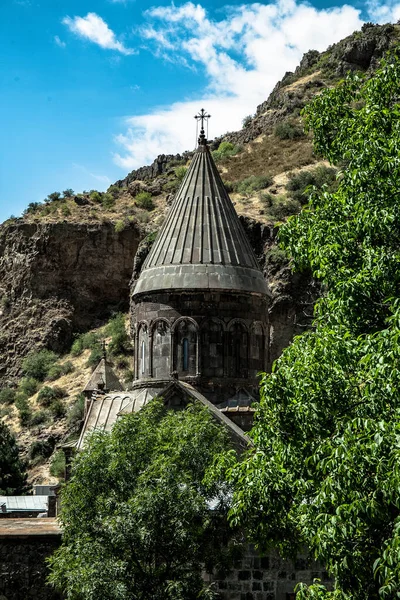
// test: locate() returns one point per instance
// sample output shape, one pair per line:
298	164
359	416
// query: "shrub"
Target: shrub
58	371
144	200
57	464
48	394
108	201
57	409
68	193
65	210
231	186
6	411
85	341
53	197
246	121
114	191
41	449
76	411
96	197
38	364
225	150
28	386
288	131
32	208
267	199
67	367
119	338
39	418
119	226
254	183
24	409
95	356
284	207
55	372
129	376
180	173
298	183
7	396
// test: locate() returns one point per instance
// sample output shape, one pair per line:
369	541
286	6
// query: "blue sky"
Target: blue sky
92	89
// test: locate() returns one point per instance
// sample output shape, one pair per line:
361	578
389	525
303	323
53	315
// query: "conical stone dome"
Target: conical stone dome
202	244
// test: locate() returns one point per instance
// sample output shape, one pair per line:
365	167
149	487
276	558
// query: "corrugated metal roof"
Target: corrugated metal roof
104	411
24	503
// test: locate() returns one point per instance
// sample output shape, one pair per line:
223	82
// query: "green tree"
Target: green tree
12	468
136	512
325	470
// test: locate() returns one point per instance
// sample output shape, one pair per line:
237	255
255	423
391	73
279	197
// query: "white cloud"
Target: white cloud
93	28
59	42
243	55
384	13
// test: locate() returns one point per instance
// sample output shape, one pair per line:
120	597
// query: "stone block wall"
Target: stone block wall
267	577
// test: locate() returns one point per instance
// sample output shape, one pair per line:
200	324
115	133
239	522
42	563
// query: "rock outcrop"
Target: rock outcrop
56	279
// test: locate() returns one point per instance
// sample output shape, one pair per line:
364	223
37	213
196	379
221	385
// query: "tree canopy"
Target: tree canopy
12	468
136	515
325	470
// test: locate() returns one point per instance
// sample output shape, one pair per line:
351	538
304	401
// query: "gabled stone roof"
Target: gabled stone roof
103	377
202	244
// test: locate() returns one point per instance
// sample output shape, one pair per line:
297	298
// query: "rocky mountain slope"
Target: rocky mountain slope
65	265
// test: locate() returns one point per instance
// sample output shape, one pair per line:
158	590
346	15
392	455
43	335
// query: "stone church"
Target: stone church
199	312
199	322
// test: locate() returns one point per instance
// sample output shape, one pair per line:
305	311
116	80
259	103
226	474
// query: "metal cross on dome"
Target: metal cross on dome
202	116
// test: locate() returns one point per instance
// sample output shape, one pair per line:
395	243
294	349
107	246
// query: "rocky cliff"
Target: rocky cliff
57	279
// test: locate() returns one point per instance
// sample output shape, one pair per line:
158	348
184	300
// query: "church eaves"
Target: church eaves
202	244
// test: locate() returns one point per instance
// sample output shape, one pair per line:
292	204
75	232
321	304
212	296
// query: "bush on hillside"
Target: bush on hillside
76	411
144	200
48	394
84	341
180	173
299	183
53	197
254	183
68	193
108	200
96	196
28	386
33	207
225	150
24	409
120	343
38	364
288	131
246	121
7	396
57	464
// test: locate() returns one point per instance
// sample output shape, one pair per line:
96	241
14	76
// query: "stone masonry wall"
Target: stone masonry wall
268	577
23	569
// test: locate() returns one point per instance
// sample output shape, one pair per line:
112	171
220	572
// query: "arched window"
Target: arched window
143	357
185	348
185	354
